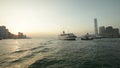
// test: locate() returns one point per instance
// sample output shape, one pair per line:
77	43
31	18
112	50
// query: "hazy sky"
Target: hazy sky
53	16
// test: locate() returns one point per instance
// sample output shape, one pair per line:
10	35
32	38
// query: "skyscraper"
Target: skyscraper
96	26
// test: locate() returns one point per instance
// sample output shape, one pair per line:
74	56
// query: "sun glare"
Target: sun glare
26	23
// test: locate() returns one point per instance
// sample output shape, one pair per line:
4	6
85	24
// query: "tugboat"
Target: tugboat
67	36
86	37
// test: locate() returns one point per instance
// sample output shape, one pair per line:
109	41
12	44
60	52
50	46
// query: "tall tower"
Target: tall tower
96	26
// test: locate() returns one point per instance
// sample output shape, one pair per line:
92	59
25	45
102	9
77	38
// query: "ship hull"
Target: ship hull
67	38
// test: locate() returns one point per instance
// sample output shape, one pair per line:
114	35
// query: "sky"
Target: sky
51	17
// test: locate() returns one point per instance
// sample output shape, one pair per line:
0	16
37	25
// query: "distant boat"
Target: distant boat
67	36
86	37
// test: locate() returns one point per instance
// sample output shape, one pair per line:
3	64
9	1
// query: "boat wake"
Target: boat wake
19	56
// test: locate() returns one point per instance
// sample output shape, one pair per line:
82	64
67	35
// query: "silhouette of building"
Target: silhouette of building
102	30
21	35
5	34
109	32
96	26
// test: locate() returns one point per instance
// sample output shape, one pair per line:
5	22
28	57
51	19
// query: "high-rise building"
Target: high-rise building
96	26
109	32
102	30
3	32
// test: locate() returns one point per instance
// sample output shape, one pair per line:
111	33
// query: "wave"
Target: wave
22	58
24	54
17	60
2	62
29	56
19	51
47	42
36	47
44	50
31	49
45	62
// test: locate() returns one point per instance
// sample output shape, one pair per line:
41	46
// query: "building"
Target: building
5	34
21	35
96	26
109	32
116	32
102	30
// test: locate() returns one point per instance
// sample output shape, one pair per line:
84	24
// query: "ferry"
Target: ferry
86	37
67	36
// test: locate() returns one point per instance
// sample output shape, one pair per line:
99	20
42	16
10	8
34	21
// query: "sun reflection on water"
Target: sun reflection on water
16	46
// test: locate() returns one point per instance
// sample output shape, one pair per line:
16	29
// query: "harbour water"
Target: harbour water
53	53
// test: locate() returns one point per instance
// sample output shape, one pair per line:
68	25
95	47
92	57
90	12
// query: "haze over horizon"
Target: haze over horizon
50	17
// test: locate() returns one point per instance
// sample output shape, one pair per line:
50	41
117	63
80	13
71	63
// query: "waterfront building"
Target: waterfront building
21	35
109	32
101	30
5	34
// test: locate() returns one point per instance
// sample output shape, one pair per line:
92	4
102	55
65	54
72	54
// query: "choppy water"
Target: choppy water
53	53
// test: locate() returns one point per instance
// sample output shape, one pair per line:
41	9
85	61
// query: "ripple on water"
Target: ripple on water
37	47
19	51
21	59
43	63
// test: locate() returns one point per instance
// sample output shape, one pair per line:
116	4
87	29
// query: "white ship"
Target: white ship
86	37
67	36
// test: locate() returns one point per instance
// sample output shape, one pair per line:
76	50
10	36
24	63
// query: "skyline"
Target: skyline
52	16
